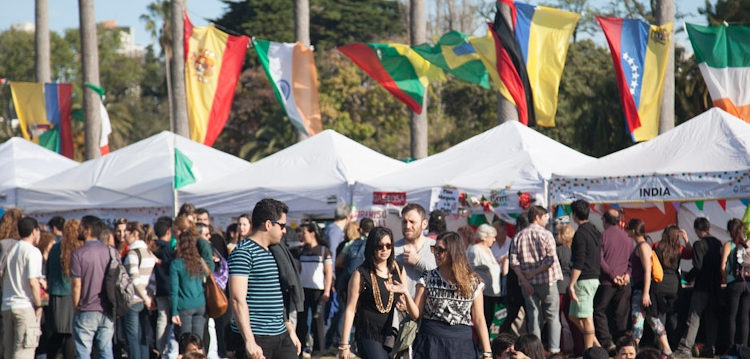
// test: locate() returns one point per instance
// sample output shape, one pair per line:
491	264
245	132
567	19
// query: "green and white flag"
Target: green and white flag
723	56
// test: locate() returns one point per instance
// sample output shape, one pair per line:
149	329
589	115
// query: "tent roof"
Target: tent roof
23	163
712	141
316	172
707	157
138	175
510	154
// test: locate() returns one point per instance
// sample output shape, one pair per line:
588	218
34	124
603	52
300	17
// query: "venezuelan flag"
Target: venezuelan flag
543	34
213	61
44	114
639	54
455	54
396	67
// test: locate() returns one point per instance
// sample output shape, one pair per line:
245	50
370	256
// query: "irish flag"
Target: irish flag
291	70
723	55
396	67
213	61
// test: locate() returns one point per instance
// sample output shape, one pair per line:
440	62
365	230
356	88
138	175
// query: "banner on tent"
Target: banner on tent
385	198
444	199
378	214
680	186
146	215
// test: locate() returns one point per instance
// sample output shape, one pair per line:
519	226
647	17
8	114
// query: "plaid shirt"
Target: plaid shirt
534	247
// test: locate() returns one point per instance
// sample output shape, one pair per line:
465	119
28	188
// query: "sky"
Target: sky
64	14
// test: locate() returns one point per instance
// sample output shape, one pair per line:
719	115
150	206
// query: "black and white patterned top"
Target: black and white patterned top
443	303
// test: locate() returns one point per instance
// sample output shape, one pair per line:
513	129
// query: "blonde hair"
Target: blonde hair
565	235
352	231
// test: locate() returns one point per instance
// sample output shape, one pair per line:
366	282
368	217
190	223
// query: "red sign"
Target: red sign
394	198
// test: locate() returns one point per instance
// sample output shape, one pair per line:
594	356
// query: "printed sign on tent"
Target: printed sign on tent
444	199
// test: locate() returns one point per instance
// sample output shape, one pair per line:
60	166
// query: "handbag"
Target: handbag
407	332
216	300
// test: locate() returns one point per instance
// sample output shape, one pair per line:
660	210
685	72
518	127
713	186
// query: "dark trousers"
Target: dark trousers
738	301
312	309
611	302
705	304
489	309
274	346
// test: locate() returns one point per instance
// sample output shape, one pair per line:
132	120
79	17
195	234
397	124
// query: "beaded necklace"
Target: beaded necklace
376	294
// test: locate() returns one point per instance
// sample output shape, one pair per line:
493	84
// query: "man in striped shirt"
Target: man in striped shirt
534	259
255	290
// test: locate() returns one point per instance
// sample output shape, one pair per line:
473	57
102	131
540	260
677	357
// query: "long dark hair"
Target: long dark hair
530	345
371	246
312	227
736	230
466	279
669	246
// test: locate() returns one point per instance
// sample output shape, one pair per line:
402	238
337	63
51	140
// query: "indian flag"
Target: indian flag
723	56
396	67
291	69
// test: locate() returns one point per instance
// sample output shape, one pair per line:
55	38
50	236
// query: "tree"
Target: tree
159	12
41	37
179	96
90	70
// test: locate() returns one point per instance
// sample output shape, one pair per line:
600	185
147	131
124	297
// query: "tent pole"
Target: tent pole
175	199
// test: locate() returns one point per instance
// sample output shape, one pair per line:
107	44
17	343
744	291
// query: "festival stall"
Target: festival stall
311	177
138	182
23	163
699	168
498	172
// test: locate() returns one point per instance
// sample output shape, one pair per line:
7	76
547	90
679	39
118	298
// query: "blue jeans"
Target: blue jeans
193	321
544	306
135	324
90	326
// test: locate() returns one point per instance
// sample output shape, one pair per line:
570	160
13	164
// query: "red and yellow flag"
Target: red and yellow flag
213	61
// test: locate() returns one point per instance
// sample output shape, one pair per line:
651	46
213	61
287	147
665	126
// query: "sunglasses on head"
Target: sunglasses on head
384	246
437	250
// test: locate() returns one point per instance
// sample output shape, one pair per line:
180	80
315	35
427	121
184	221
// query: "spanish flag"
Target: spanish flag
396	67
44	114
639	53
213	61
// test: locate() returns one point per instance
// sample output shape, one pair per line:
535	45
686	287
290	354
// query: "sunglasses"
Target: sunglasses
282	225
384	246
437	250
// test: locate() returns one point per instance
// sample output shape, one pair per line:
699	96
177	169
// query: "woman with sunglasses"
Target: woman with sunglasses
372	298
447	299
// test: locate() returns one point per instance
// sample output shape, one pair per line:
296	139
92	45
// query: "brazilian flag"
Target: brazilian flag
454	54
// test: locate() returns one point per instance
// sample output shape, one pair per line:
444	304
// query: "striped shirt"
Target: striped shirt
534	247
141	272
264	299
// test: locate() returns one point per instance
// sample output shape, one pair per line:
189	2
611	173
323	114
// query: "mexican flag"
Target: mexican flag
291	70
723	56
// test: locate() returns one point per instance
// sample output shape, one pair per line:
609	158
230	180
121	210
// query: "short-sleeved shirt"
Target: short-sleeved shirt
24	263
533	247
443	303
414	272
264	298
312	262
486	266
335	236
89	263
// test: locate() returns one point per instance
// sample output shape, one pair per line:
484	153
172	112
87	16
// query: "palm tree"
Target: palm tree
159	12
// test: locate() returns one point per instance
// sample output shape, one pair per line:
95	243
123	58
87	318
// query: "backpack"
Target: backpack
354	258
657	272
118	285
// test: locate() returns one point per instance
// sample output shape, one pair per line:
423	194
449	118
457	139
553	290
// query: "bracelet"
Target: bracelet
344	346
486	355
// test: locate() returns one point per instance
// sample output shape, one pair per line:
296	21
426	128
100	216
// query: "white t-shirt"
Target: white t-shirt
499	251
24	263
487	268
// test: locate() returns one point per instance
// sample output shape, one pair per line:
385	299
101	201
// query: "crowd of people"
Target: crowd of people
533	289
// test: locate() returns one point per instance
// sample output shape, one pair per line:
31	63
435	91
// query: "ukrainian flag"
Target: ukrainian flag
544	35
639	53
455	54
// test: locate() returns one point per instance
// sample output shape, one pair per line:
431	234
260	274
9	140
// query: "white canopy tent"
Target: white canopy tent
24	163
136	181
707	157
311	177
498	164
